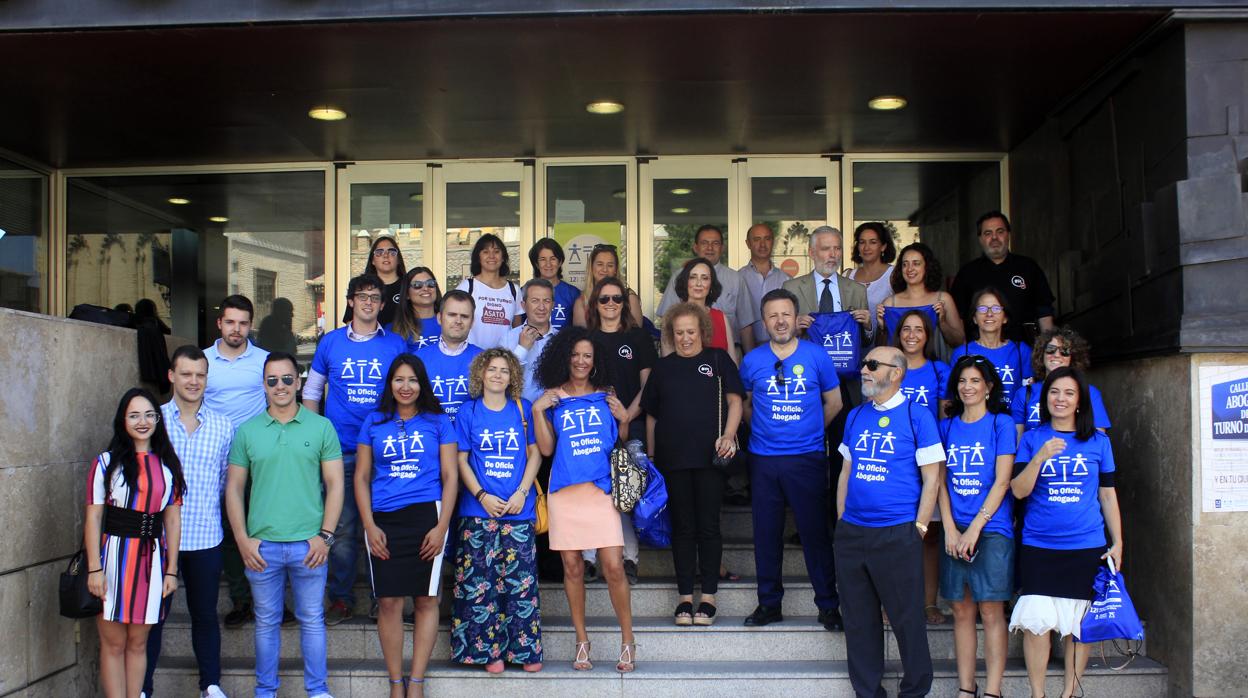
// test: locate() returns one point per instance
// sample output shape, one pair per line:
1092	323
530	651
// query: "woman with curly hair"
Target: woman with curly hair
916	282
417	318
1060	346
578	421
496	617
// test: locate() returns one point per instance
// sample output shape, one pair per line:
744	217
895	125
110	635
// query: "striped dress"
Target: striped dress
133	569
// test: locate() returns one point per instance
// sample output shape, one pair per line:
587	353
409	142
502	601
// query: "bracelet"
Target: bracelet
94	571
172	574
480	493
983	511
922	528
326	530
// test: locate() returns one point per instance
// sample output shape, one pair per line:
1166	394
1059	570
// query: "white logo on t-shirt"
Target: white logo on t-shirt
705	369
1019	281
626	352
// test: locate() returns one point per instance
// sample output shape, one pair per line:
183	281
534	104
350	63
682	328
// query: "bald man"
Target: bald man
886	496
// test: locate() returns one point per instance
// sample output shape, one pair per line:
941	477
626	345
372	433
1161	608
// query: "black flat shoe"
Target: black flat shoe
764	615
831	620
705	614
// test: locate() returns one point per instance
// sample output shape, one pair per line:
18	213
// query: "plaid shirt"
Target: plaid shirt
204	465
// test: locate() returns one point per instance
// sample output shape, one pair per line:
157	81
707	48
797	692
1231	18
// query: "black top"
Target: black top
681	395
1028	296
627	355
390	297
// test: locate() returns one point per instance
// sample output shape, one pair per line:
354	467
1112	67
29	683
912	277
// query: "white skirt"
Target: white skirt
1042	614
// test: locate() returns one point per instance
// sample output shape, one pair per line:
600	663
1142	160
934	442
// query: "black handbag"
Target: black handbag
76	600
737	460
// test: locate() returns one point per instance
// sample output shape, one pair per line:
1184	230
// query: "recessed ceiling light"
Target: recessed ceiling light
619	194
327	113
178	201
857	190
604	106
887	102
779	191
819	191
509	194
682	191
219	219
416	197
680	209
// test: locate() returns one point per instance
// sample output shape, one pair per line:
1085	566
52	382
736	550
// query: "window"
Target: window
23	238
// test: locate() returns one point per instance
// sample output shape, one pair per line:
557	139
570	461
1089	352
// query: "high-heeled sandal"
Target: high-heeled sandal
992	695
705	614
684	613
628	657
413	681
581	661
974	692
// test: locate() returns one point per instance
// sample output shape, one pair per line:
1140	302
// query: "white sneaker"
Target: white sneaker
214	691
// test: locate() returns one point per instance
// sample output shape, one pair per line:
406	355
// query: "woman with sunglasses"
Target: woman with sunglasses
924	384
417	319
604	262
385	261
496	297
916	283
976	572
697	283
496	617
131	533
406	480
547	257
1012	358
1060	346
1064	480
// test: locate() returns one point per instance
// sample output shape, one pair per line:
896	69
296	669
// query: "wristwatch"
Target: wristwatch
327	537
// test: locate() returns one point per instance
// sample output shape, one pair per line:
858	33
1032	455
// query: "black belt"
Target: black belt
128	523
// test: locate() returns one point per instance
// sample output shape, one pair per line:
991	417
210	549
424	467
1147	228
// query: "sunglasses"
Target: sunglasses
1051	350
602	248
386	252
287	379
779	368
874	364
613	298
987	309
427	283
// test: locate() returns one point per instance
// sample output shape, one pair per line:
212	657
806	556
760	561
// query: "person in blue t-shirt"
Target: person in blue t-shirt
976	573
416	320
1064	475
1060	346
546	256
496	551
792	394
406	483
1012	358
885	499
348	370
448	360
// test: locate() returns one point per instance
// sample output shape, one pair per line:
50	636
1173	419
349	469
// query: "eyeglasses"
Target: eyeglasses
427	283
136	417
874	365
1051	349
368	298
616	298
386	252
271	381
989	309
779	368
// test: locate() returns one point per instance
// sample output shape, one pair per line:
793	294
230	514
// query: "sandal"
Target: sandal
729	576
628	658
974	692
705	614
684	613
532	668
413	682
936	617
992	695
581	661
495	667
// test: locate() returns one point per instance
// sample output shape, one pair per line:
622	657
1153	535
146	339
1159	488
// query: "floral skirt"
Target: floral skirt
496	613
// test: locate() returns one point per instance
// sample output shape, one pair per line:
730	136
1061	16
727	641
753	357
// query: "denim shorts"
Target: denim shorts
990	576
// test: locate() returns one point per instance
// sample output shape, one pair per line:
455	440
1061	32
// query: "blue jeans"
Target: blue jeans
344	557
201	575
285	561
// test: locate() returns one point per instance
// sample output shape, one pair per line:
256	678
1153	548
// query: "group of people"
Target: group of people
446	413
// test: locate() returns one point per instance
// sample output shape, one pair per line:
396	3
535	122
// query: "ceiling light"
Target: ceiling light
604	107
887	102
219	219
327	113
416	197
619	194
680	209
509	194
179	201
682	191
779	191
857	190
819	191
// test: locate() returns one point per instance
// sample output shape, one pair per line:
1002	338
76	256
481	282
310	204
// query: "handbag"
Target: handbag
628	480
541	515
77	601
736	460
1111	615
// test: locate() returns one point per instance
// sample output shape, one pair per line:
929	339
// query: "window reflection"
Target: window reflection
472	210
681	206
23	237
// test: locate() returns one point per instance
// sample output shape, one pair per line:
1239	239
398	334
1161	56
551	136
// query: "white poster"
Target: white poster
1224	438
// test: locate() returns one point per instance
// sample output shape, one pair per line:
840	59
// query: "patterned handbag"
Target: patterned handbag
628	480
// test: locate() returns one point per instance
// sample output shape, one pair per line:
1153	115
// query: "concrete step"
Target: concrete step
741	679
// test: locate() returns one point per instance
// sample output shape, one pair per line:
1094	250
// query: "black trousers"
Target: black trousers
201	575
874	567
693	501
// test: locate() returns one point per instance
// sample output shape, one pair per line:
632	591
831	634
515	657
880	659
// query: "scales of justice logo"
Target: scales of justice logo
451	390
577	422
403	449
793	389
499	444
361	373
427	340
917	394
957	457
1071	466
874	446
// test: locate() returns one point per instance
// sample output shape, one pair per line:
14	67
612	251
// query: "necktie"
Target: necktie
826	304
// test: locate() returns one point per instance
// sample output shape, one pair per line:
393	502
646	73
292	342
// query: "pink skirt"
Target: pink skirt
583	518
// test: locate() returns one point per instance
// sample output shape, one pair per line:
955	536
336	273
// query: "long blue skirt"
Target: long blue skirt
496	613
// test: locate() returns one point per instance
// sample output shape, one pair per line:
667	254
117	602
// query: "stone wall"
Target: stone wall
62	379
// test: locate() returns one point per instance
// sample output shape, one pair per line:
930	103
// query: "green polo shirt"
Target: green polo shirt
284	461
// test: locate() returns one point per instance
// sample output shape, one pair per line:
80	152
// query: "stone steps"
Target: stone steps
355	678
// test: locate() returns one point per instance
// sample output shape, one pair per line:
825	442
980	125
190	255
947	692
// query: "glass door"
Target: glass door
583	203
482	199
792	196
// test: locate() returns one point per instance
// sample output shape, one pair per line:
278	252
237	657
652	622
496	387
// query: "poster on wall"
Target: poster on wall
577	239
1224	438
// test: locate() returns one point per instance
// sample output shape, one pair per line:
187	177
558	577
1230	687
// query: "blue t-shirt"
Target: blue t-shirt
565	298
1063	511
448	375
927	385
971	451
355	375
585	433
496	444
1012	359
407	462
430	330
840	337
884	446
1025	407
788	413
893	315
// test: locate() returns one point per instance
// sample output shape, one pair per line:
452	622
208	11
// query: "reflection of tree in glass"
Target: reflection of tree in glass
672	252
795	239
